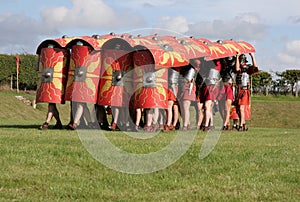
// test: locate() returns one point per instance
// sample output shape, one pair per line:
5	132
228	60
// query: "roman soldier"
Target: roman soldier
187	92
226	96
150	85
173	109
83	78
115	85
244	72
53	64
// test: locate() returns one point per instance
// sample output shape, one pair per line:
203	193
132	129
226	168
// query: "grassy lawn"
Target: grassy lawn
259	165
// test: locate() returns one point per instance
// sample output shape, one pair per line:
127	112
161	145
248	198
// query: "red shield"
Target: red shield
248	48
53	67
150	85
83	75
217	51
115	86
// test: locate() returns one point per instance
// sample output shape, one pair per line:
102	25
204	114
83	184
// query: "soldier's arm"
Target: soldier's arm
237	63
254	67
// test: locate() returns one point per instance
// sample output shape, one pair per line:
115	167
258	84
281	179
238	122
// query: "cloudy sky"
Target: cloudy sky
273	28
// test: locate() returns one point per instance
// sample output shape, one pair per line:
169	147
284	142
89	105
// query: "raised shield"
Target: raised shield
150	84
83	74
53	67
114	89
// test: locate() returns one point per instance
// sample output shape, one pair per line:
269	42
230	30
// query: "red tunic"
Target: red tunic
244	97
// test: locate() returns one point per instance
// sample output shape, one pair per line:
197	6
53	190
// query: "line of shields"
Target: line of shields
120	70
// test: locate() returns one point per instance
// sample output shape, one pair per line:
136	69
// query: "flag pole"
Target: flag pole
18	68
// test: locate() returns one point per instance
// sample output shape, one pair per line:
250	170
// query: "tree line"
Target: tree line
284	83
27	77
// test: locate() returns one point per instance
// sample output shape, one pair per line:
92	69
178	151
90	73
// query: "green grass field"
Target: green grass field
259	165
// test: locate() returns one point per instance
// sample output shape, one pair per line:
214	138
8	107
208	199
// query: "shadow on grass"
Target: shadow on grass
33	126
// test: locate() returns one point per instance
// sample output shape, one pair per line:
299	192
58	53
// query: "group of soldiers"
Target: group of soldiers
146	83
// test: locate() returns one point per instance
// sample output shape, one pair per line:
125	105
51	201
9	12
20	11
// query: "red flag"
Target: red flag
18	64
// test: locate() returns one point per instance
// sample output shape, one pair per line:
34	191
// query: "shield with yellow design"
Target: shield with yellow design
248	48
115	85
83	74
194	48
167	51
217	51
150	84
53	67
235	47
232	46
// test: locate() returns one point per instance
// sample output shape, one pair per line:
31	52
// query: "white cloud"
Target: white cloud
247	26
272	12
293	48
250	18
23	33
145	3
294	19
291	53
91	14
173	24
19	33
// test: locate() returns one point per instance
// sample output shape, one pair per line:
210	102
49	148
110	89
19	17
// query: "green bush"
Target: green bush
28	76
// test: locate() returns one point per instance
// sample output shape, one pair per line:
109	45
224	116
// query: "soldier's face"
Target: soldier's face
196	64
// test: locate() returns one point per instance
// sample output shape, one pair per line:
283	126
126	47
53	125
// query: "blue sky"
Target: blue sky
273	28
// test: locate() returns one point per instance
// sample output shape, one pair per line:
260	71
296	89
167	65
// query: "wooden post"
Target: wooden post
17	82
250	85
297	88
11	82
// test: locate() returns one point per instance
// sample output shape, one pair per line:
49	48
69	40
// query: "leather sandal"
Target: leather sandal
240	128
147	129
44	126
166	128
229	127
113	127
71	126
206	128
245	127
